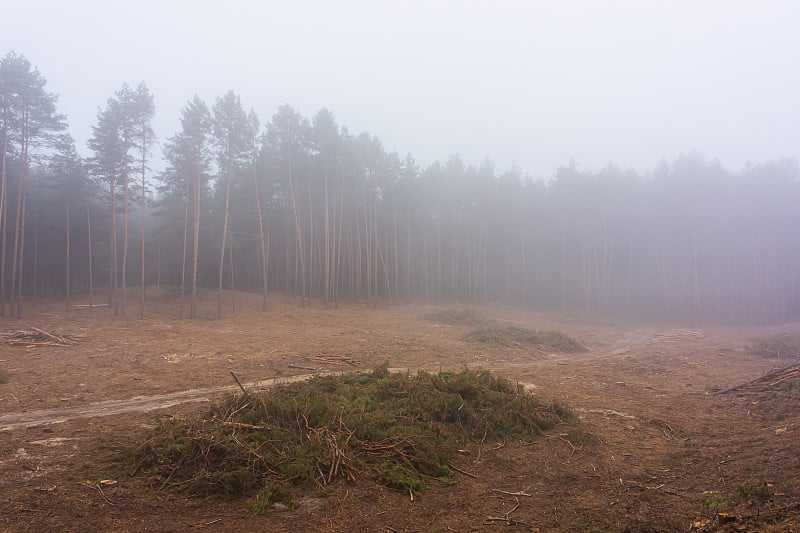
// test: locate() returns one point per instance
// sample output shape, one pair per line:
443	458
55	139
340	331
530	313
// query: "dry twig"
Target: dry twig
246	395
473	476
507	518
301	367
518	493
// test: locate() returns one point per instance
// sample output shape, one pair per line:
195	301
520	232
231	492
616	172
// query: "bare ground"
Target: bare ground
662	448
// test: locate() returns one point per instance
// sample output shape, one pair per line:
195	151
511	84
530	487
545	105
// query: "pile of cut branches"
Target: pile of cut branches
333	359
401	430
38	337
677	335
785	378
781	346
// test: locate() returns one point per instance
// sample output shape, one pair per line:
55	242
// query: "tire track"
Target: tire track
137	404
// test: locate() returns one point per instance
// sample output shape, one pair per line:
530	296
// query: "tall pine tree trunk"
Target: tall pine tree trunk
394	236
142	280
310	242
68	284
196	239
409	277
158	267
91	280
124	301
375	250
327	239
18	243
35	256
183	260
261	241
3	216
298	234
18	313
113	282
228	180
230	267
339	242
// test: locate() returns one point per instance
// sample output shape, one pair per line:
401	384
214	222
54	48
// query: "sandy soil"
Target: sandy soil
663	444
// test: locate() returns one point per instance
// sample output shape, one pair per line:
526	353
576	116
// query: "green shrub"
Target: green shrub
753	491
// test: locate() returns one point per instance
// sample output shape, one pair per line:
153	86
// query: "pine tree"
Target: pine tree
185	181
30	122
142	111
325	135
232	140
67	175
109	164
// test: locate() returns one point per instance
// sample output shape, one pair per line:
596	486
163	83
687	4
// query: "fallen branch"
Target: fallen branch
242	425
301	367
518	493
103	494
473	476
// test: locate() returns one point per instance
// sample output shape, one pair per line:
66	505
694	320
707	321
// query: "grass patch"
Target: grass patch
272	494
515	335
782	345
400	430
757	491
467	316
715	501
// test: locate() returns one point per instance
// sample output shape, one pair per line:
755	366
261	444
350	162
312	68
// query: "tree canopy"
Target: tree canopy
306	207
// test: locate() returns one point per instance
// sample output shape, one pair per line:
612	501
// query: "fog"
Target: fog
618	158
531	84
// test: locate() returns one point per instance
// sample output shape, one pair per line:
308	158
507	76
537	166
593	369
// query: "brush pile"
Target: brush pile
781	346
400	430
677	335
35	337
786	378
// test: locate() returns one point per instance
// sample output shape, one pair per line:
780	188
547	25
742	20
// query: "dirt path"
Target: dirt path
137	404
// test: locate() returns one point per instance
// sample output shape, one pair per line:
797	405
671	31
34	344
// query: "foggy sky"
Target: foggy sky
527	83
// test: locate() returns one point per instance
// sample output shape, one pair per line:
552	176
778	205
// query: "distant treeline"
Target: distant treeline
305	207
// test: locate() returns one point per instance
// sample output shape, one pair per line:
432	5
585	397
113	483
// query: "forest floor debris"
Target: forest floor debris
333	359
34	337
725	440
677	335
